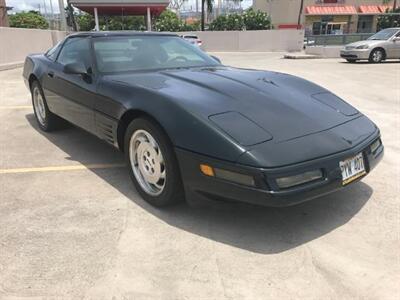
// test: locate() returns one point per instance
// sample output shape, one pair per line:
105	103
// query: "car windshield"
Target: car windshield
134	53
384	34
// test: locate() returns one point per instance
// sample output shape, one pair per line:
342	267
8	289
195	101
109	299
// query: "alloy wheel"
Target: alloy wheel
147	162
39	105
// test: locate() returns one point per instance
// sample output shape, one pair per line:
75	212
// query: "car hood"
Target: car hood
365	42
285	107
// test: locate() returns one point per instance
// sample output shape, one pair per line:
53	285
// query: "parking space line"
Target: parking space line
15	107
61	168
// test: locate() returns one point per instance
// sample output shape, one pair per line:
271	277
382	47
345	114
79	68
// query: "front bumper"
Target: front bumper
266	192
355	53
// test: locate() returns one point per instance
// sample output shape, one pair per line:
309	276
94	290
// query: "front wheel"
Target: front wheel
153	166
376	56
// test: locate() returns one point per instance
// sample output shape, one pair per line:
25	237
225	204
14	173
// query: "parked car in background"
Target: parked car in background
381	46
192	39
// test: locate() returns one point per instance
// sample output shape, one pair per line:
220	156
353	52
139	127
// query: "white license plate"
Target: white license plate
352	168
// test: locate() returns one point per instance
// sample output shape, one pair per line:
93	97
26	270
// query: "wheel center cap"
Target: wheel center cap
148	161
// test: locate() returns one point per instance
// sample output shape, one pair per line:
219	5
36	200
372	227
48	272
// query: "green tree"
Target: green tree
256	20
249	20
386	21
228	22
169	21
31	19
123	23
210	6
85	22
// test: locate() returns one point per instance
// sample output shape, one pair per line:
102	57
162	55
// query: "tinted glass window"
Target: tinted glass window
131	53
52	53
384	34
75	50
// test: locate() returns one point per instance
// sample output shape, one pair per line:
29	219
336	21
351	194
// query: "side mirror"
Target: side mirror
216	58
75	68
396	39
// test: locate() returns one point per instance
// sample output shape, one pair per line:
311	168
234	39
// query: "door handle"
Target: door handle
50	74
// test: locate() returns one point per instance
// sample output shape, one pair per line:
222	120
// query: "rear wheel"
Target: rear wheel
376	56
152	163
46	120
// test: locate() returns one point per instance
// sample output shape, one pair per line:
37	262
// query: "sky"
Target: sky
20	5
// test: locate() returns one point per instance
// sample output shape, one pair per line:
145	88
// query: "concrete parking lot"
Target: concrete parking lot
72	225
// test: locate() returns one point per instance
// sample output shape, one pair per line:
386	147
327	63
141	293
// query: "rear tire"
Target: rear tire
153	166
377	56
46	120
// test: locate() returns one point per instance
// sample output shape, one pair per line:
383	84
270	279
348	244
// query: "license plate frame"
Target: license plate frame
352	168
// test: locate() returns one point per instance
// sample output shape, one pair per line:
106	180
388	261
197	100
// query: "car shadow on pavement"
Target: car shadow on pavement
257	229
365	62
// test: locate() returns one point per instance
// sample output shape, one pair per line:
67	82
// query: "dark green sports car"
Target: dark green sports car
193	128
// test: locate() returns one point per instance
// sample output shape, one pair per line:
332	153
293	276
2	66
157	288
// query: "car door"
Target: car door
72	96
395	46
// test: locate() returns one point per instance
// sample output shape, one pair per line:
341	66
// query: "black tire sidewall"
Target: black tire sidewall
173	191
46	126
372	54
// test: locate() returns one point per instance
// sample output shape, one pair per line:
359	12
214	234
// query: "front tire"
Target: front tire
153	166
376	56
46	120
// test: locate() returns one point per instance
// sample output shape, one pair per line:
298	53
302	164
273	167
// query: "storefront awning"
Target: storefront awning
121	7
383	8
369	9
331	10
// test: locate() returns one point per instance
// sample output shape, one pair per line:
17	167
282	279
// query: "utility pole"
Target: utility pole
202	14
270	11
45	9
300	14
63	20
52	15
3	14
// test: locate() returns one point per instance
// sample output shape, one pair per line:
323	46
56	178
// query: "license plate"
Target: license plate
352	168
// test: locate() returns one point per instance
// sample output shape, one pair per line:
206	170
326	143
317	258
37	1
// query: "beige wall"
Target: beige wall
252	41
287	11
17	43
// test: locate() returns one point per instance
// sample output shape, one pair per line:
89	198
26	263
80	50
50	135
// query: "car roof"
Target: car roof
120	33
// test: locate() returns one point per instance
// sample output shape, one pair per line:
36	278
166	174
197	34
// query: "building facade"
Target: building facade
325	16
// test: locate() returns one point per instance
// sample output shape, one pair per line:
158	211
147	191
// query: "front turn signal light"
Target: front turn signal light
207	170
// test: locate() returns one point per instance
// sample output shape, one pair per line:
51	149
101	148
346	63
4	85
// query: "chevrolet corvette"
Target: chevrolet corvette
191	127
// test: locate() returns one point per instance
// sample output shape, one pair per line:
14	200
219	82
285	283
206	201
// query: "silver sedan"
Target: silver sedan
382	45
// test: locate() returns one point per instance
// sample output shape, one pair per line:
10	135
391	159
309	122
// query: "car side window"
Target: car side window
52	53
75	50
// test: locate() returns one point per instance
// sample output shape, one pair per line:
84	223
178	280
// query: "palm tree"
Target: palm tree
209	9
300	12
